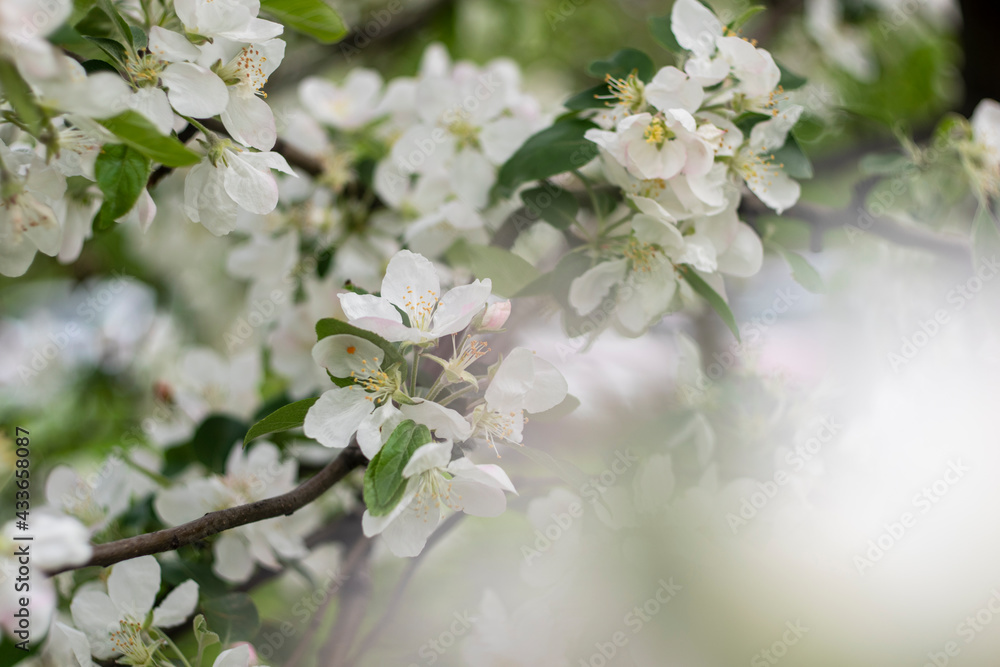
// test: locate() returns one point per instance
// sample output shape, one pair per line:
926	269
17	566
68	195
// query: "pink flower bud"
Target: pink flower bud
495	316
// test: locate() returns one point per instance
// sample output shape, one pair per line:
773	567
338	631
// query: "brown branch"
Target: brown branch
213	523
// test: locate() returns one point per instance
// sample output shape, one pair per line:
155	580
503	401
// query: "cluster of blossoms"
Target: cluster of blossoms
214	65
681	146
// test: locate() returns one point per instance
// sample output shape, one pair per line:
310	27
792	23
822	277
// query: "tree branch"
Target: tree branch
213	523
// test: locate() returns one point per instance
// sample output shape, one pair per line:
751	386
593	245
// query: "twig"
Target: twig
213	523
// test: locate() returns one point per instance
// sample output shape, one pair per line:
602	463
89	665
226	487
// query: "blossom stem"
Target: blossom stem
413	371
169	642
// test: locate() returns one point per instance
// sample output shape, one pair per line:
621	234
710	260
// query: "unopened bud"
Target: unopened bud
495	316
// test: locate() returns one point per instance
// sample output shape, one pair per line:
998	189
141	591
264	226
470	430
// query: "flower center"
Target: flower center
758	168
641	255
128	640
374	380
434	491
145	71
246	71
498	426
629	92
464	130
657	133
420	308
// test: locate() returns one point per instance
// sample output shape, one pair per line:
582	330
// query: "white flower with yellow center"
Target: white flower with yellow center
118	623
757	165
656	147
411	284
435	483
30	193
230	19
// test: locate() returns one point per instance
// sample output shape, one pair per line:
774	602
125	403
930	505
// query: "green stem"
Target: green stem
593	197
162	635
413	371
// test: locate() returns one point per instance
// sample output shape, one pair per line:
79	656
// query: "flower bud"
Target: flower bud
495	316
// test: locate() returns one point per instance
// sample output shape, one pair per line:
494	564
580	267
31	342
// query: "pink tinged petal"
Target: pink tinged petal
250	121
97	616
495	316
357	306
429	457
411	282
477	499
335	417
695	26
252	188
133	585
459	306
153	104
171	46
343	355
548	388
588	290
178	606
194	90
232	558
445	422
375	429
744	256
234	657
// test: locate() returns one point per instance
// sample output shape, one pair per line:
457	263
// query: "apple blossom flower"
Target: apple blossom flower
411	284
435	482
523	382
656	147
348	106
30	209
23	37
231	19
230	179
118	622
755	162
251	475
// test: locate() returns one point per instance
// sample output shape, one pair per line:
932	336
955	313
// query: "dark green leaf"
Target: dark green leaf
17	92
554	150
794	161
663	33
713	298
589	99
215	438
96	23
312	17
554	205
288	417
330	326
384	484
746	121
790	80
123	28
122	173
233	617
508	272
133	129
802	271
114	49
622	63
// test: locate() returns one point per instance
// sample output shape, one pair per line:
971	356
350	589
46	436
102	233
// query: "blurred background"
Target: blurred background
819	494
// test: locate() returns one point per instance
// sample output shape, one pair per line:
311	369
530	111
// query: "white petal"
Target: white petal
133	585
178	606
548	388
459	306
477	499
234	657
69	646
194	90
153	104
376	428
254	189
445	422
357	306
232	558
428	457
488	474
96	615
335	417
171	46
343	355
695	26
249	120
744	256
588	290
410	281
206	200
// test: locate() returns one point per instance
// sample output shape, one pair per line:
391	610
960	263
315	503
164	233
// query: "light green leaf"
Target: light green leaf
747	14
331	326
662	31
795	162
312	17
284	418
802	271
122	173
133	129
18	94
554	150
384	484
508	272
554	205
790	80
714	299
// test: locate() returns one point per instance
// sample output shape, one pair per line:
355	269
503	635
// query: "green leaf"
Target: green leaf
790	80
123	28
312	17
747	120
795	162
331	326
554	150
202	634
111	47
122	173
883	164
284	418
802	271
17	92
588	99
214	439
662	31
508	272
234	617
622	63
985	237
747	14
384	484
553	204
706	292
133	129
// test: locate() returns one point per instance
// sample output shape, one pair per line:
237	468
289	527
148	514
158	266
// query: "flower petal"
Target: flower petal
445	422
335	417
411	281
344	355
695	26
178	606
357	306
194	90
459	305
253	188
376	428
96	615
250	121
588	290
232	558
133	585
428	457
